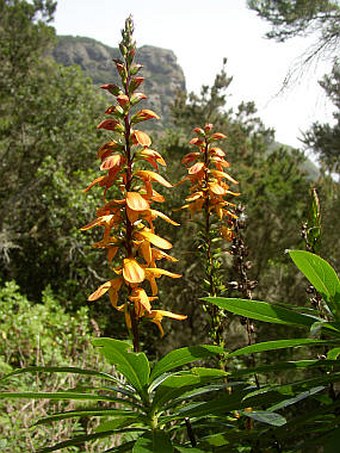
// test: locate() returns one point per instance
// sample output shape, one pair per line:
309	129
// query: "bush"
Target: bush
33	335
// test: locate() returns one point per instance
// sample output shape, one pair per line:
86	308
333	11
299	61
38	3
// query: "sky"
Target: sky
202	33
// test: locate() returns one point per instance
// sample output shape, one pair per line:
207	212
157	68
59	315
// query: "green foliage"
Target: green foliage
321	420
33	336
324	138
47	136
46	332
291	18
162	404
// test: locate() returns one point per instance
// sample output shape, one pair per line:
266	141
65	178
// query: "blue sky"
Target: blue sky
201	34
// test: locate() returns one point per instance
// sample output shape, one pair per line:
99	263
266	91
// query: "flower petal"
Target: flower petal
132	271
217	136
136	202
103	220
139	296
222	174
112	161
196	168
110	125
152	176
160	214
94	182
140	138
144	115
155	240
100	291
156	272
156	316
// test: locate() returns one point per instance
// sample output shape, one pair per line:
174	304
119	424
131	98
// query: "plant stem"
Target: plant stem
129	226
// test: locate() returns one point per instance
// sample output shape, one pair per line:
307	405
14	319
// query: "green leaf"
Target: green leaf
301	396
277	344
180	383
56	396
334	364
96	412
209	388
183	356
154	442
134	366
270	418
321	275
262	311
333	354
65	369
332	326
218	406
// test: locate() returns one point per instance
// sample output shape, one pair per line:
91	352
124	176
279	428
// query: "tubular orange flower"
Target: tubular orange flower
156	316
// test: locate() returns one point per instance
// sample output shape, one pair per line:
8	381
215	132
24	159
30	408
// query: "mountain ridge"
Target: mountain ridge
95	59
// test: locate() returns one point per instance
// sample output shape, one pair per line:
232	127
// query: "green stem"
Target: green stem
212	309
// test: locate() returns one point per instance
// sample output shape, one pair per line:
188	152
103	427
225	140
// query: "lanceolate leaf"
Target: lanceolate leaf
277	344
270	418
333	353
178	384
153	442
297	398
262	369
321	275
52	369
262	311
134	366
218	406
183	356
87	413
56	396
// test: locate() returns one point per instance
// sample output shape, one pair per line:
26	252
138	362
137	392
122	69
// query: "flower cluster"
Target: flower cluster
209	180
209	190
127	216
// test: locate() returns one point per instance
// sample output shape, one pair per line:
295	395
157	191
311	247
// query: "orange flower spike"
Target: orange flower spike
128	221
209	188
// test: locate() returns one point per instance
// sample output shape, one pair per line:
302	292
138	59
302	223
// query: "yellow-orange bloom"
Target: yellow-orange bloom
133	271
156	316
136	202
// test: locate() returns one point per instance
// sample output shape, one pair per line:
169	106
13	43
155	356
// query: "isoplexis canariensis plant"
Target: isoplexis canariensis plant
131	168
210	196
